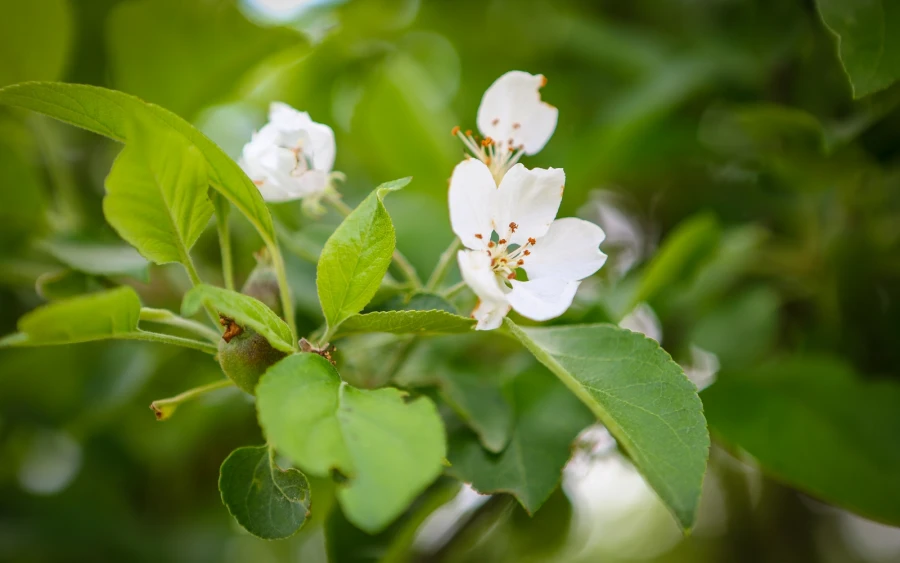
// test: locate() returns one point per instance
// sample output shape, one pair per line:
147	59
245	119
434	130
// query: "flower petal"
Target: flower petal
296	128
530	199
472	197
511	109
489	314
643	319
475	267
570	250
542	299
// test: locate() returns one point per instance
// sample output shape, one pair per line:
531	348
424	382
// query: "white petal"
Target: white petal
529	198
475	267
472	198
542	299
570	250
296	128
311	182
512	109
643	319
489	314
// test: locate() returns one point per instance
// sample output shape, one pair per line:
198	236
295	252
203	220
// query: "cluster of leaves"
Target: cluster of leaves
382	448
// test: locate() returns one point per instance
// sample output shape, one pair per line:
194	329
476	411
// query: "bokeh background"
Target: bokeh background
716	141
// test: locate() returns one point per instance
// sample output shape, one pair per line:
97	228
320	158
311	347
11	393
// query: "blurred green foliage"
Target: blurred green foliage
766	194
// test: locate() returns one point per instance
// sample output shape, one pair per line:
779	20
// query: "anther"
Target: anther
487	142
512	276
543	81
491	244
478	236
520	262
455	131
495	121
513	227
468	132
516	125
501	241
531	241
526	252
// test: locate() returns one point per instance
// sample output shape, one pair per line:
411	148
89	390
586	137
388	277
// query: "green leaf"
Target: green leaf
387	448
156	195
356	257
814	424
868	36
112	114
269	502
245	310
479	400
407	322
81	319
34	40
642	397
686	247
547	419
99	259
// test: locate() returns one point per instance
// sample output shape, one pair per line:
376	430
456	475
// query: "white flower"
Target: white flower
511	228
291	156
513	120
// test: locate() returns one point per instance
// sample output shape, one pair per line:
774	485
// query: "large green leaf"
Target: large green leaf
387	448
112	114
245	310
480	402
868	36
642	397
547	419
269	502
34	40
99	259
407	322
812	423
356	257
156	195
81	319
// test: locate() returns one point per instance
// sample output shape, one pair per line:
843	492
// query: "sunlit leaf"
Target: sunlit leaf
97	316
640	395
356	257
245	310
112	114
269	502
407	322
384	449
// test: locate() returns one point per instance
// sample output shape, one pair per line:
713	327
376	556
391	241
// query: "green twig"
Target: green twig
195	281
169	339
440	271
287	303
164	408
453	290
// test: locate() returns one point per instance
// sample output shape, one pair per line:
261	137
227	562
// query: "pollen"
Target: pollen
501	241
478	236
513	227
491	244
455	131
520	262
531	241
468	132
487	141
512	276
526	252
516	125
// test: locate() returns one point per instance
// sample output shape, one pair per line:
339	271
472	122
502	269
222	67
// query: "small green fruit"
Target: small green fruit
245	355
263	284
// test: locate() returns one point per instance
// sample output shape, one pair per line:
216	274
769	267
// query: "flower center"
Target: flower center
507	258
499	156
303	162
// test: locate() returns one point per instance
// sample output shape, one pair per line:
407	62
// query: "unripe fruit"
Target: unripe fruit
263	284
245	355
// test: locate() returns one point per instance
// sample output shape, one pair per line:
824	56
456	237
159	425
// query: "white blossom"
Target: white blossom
510	229
291	157
512	120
